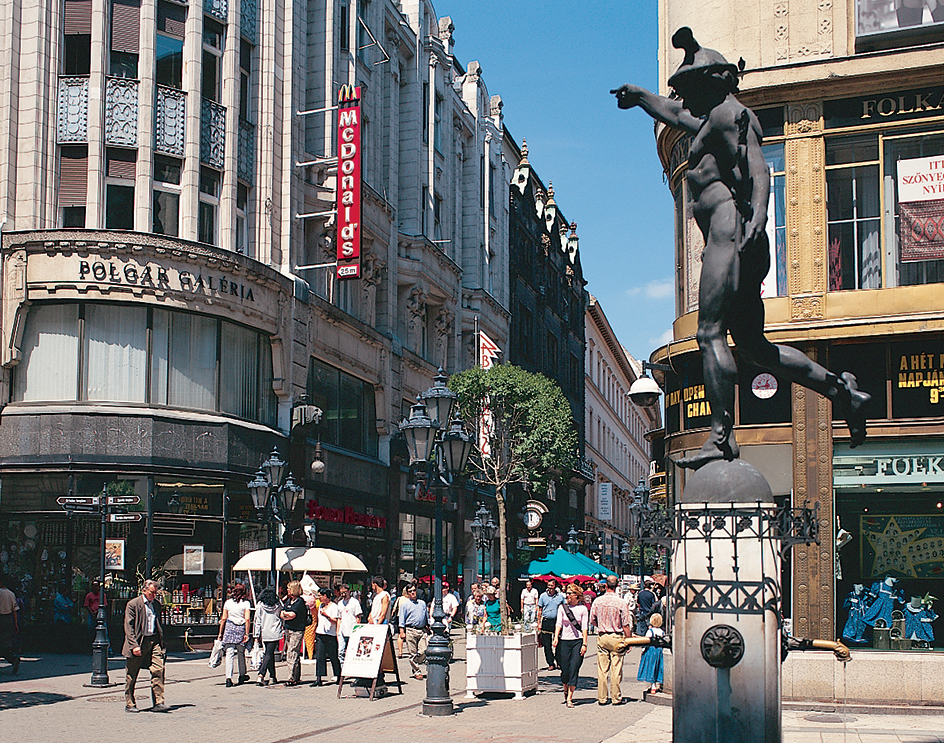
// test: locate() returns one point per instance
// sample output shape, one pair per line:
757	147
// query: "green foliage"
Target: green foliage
533	430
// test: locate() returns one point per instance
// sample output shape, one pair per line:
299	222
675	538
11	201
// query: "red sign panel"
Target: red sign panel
349	182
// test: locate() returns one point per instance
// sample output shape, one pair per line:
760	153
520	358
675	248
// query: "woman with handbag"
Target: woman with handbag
268	630
570	639
234	633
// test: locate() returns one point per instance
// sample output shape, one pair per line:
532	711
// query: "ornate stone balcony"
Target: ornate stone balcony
72	125
121	111
170	115
212	133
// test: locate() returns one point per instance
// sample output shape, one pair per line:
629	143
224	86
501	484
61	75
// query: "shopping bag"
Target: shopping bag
216	655
255	657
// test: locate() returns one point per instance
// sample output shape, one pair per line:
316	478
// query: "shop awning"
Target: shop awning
301	559
563	564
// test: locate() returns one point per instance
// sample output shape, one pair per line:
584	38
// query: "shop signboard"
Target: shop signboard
193	559
917	379
605	501
366	649
349	183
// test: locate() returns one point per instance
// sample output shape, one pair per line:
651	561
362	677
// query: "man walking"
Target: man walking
613	621
549	604
8	626
413	626
351	612
529	603
645	605
144	646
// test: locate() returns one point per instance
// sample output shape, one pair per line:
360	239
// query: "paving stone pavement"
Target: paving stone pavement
47	703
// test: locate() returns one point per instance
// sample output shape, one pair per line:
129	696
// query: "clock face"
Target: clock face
764	386
532	519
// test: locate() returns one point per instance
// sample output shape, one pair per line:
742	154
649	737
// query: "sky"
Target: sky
553	63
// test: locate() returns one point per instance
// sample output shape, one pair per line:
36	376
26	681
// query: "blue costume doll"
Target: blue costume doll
857	603
651	666
918	618
886	596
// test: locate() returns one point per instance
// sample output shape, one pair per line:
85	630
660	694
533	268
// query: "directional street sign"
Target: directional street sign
113	517
122	500
70	502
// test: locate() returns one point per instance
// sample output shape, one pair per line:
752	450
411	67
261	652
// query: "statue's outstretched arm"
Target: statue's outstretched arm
666	110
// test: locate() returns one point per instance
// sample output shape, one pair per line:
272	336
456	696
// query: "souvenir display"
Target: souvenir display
857	603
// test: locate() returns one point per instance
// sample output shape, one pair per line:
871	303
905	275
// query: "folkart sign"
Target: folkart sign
349	182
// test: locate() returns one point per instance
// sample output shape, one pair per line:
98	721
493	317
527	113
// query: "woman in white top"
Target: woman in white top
234	632
570	639
326	637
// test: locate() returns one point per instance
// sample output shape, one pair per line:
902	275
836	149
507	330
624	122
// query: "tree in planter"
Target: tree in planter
531	433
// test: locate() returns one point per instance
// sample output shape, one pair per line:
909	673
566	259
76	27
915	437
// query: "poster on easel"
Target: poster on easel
369	652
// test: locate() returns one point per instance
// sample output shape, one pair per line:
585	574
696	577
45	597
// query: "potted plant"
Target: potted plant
501	661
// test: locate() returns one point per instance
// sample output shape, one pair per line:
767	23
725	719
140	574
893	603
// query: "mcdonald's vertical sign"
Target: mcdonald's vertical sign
349	182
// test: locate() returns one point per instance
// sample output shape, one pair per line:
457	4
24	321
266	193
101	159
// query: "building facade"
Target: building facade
615	439
168	180
849	96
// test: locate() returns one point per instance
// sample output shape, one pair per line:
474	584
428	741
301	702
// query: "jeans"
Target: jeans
342	644
547	637
268	659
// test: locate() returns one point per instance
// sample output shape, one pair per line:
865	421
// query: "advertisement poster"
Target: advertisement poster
906	546
114	554
193	559
882	16
921	205
366	648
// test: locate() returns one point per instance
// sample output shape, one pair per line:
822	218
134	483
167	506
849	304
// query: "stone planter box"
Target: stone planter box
501	663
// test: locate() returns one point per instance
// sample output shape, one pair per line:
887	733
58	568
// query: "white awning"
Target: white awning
301	559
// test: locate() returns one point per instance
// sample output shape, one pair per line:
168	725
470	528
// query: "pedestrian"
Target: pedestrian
570	639
645	604
268	629
234	634
548	605
450	605
614	621
474	608
9	626
413	626
93	599
326	636
350	614
395	613
295	618
62	606
491	617
651	663
529	603
380	604
144	647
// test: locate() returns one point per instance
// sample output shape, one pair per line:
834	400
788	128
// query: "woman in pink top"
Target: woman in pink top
570	639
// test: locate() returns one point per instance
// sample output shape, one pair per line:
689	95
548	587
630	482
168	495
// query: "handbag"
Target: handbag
216	655
255	656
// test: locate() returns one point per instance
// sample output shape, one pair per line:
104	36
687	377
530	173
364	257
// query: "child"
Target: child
650	664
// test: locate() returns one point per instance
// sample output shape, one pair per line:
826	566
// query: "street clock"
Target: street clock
534	514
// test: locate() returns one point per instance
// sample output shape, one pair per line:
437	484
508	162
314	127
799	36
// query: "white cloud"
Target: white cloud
655	289
661	340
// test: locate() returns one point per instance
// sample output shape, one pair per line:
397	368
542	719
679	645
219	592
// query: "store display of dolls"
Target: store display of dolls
880	610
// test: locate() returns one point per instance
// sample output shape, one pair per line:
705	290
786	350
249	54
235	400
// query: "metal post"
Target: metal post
438	654
149	534
100	645
273	576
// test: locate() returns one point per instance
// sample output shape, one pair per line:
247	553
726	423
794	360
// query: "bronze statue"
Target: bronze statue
730	186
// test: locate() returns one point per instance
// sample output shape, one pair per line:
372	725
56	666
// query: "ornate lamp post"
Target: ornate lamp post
438	456
638	512
572	542
483	531
625	552
274	499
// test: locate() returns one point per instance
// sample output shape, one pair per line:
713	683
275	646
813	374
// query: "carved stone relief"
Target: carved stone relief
14	305
73	109
121	111
170	121
372	267
219	9
444	319
416	317
247	19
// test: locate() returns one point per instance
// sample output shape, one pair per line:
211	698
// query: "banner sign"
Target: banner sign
921	204
605	501
349	182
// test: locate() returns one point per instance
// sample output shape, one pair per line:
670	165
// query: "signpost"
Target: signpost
103	505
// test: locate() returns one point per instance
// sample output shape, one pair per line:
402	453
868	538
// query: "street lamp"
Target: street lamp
644	392
274	499
438	456
483	531
625	552
572	542
638	512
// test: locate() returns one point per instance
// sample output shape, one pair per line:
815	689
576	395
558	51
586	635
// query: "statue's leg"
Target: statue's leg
716	292
792	365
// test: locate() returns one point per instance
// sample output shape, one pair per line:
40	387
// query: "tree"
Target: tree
531	435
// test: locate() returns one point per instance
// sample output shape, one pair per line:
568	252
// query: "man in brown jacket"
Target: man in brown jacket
144	646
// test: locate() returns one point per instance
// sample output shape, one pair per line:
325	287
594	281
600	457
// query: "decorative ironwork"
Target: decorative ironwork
727	597
121	111
73	109
789	526
216	8
722	646
170	120
246	150
247	19
212	133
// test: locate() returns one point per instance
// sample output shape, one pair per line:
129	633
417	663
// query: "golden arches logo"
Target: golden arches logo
348	93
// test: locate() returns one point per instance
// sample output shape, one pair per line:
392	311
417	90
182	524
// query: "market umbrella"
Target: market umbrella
563	564
301	559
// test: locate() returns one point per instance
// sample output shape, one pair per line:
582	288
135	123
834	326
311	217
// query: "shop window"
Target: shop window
868	361
50	366
349	415
171	24
853	213
77	54
913	180
73	184
125	33
213	39
775	284
166	213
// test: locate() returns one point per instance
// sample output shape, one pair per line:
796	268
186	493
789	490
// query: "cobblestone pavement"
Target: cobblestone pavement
47	703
